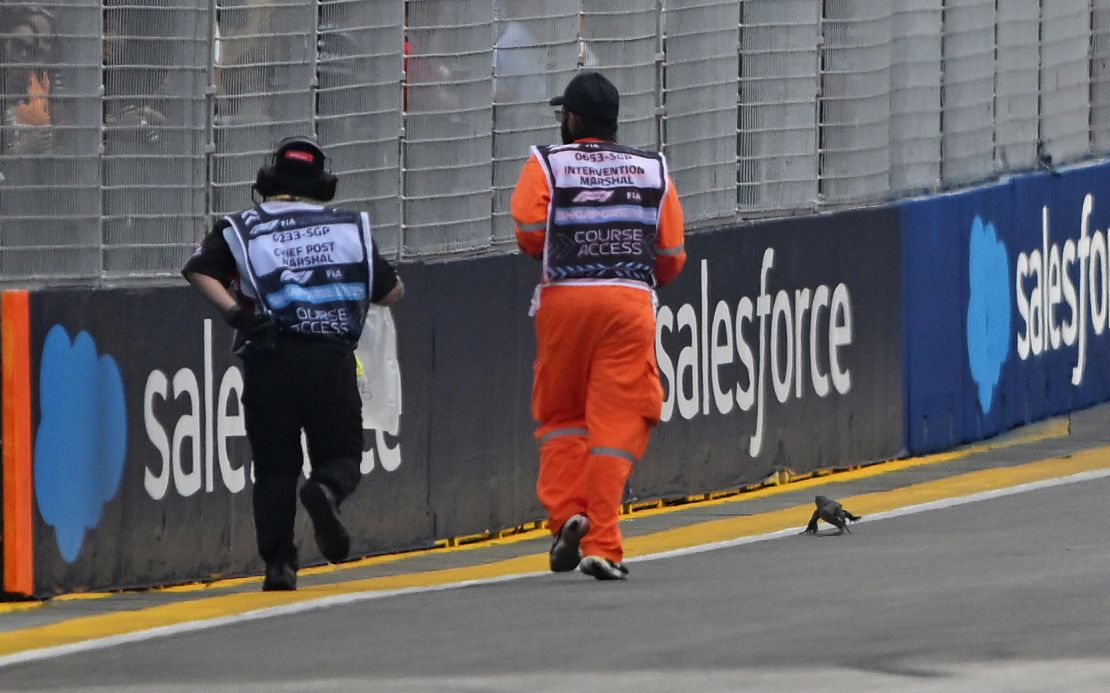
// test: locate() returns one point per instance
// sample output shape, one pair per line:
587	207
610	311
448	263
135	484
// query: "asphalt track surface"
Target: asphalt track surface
984	570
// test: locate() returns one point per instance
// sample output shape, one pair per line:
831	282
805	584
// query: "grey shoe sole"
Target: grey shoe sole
331	536
602	569
564	551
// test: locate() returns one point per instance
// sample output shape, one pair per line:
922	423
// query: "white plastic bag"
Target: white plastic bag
379	373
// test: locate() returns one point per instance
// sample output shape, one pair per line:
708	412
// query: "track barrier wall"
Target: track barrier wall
1006	295
814	342
779	349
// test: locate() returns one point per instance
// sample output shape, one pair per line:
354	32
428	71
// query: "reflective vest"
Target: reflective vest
310	267
604	214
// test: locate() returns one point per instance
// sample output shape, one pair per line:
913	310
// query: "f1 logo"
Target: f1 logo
593	196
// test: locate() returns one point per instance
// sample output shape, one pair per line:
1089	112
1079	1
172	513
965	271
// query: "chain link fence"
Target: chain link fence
915	95
535	53
967	138
1100	75
1065	106
1017	84
152	163
129	125
777	105
700	103
359	108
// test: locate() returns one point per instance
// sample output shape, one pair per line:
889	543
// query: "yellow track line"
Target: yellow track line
872	503
118	623
1046	430
1056	428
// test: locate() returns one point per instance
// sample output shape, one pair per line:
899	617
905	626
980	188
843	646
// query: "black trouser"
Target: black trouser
308	385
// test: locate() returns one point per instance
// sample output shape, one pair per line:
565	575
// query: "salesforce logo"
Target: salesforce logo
1063	292
988	309
1061	289
81	442
785	343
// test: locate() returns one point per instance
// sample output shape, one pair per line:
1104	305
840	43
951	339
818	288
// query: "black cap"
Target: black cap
591	96
299	154
297	166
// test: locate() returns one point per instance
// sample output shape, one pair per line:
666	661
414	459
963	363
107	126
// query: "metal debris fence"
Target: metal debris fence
128	125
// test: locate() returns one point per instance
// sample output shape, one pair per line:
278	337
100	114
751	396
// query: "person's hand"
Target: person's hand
258	329
137	123
249	325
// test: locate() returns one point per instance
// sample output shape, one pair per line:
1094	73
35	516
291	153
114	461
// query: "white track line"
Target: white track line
340	599
897	512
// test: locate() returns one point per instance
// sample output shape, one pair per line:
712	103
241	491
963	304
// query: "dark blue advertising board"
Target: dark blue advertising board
141	468
481	454
779	347
814	342
1006	295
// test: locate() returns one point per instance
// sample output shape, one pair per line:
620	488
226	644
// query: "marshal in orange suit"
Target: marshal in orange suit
606	222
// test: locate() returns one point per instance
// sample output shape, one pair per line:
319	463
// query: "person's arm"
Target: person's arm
395	294
388	287
210	271
530	201
214	292
670	244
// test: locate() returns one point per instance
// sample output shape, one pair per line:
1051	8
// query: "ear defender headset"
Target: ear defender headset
297	166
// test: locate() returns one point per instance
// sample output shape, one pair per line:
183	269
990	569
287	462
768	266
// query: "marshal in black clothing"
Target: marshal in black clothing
295	279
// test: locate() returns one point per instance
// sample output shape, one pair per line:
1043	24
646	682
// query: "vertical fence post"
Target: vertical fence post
210	110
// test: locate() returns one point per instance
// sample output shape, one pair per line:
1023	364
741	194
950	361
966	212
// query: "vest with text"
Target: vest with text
310	267
604	216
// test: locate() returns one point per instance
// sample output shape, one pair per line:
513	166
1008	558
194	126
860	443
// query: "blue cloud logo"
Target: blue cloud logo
988	310
81	441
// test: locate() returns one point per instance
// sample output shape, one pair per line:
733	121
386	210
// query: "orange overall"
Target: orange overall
596	392
36	109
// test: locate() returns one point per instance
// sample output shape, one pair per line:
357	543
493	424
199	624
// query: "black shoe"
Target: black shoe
280	577
331	535
603	569
564	555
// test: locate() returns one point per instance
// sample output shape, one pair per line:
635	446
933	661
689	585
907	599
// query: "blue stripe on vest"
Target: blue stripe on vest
328	293
606	215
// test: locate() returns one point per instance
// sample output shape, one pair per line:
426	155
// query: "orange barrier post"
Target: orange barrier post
15	362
